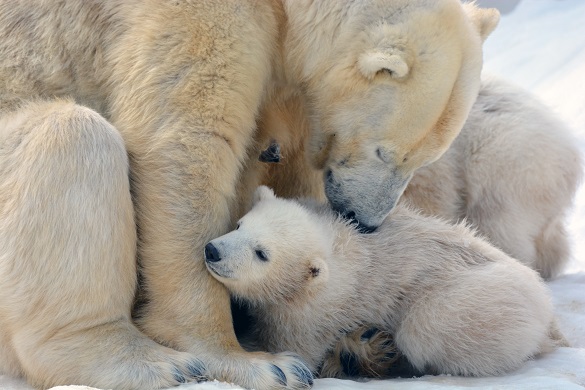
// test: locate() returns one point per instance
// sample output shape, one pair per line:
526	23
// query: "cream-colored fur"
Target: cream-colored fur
456	304
65	301
512	173
174	90
365	75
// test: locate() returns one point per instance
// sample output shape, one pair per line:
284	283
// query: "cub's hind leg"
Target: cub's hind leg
67	264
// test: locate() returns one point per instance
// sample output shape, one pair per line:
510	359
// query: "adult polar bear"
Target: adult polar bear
174	90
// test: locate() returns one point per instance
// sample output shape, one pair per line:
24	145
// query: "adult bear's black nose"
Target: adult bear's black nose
211	253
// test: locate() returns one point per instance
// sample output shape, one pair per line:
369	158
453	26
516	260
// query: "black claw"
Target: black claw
303	374
196	370
349	364
279	374
369	333
179	377
271	154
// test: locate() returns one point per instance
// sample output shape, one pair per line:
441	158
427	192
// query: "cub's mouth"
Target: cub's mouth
217	270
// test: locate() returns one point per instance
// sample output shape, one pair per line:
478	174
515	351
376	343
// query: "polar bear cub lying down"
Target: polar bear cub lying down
455	304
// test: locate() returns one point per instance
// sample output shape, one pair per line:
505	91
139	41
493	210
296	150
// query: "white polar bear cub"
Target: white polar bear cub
455	304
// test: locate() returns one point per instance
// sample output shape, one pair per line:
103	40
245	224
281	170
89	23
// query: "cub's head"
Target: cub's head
389	84
277	251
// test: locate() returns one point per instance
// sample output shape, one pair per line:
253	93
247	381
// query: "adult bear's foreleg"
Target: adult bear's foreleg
68	256
182	203
186	106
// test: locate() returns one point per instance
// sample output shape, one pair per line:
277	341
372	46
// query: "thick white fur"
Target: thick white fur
173	90
456	304
512	174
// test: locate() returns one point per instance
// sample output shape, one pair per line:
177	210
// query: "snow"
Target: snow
539	45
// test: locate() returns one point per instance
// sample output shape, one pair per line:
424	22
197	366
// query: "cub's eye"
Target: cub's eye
261	255
238	226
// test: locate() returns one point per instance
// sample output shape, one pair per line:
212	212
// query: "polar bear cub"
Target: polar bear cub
455	304
512	173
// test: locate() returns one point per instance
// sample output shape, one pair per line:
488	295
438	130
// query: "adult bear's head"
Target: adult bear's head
389	84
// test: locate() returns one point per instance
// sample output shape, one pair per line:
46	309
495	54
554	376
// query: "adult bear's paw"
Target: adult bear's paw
265	371
189	370
160	370
283	370
298	374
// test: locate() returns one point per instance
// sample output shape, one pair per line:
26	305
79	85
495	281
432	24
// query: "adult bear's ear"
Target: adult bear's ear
262	193
318	271
484	19
390	61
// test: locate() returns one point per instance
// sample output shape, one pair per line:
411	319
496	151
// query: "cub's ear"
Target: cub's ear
391	61
318	271
262	193
484	19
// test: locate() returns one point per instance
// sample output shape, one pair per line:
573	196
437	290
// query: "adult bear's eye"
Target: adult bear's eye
261	255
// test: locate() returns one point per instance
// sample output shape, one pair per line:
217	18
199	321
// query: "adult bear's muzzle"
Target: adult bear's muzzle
364	198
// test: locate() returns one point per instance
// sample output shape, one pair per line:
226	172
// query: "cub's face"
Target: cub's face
275	251
389	85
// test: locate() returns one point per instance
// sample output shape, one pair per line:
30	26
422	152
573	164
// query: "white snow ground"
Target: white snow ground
540	45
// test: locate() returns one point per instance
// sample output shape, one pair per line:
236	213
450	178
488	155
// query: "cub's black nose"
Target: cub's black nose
211	253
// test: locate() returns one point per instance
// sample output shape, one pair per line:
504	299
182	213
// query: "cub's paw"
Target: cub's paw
366	352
